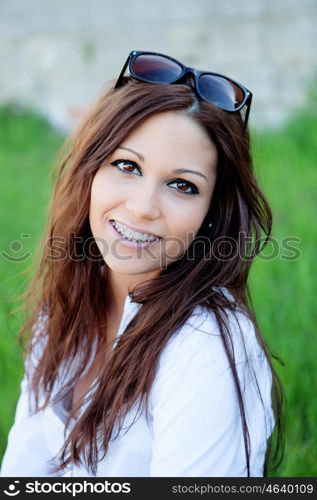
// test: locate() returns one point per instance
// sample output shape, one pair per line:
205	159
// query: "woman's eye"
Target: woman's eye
128	166
184	186
131	165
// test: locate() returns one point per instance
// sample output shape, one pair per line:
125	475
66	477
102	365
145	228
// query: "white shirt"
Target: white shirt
194	425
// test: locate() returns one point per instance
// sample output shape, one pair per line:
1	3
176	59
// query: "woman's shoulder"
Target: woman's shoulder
195	356
200	335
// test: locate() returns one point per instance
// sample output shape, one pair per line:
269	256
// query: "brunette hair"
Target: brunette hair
70	294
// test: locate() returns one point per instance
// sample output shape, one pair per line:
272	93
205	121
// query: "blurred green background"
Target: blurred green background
284	290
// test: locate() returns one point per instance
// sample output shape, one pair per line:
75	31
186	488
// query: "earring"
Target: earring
210	224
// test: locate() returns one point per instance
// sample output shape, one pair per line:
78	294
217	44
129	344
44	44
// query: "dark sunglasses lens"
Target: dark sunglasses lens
154	68
220	92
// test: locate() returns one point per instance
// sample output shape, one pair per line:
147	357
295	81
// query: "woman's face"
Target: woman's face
145	190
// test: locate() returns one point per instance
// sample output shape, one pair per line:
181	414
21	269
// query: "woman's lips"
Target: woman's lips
131	244
135	229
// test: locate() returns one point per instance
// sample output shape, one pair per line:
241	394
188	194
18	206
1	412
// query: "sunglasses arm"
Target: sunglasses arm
119	81
248	104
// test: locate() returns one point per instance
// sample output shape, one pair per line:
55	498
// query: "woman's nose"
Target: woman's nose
143	206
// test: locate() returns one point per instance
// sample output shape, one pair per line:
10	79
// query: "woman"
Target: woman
145	358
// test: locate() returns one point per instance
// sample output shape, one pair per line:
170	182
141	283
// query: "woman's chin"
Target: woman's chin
132	267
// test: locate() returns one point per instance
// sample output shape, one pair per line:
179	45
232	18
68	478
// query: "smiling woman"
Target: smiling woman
147	199
144	356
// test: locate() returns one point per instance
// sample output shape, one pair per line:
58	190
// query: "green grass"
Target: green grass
284	290
28	146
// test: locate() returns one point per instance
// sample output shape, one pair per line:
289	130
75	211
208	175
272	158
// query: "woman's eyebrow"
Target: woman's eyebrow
184	170
177	171
141	157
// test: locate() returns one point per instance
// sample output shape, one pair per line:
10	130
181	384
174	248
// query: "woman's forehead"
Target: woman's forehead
170	133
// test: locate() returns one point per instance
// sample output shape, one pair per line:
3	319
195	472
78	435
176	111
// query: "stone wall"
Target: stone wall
57	54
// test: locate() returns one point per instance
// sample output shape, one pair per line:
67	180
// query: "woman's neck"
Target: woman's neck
120	285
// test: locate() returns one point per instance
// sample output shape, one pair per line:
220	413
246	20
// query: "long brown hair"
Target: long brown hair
70	294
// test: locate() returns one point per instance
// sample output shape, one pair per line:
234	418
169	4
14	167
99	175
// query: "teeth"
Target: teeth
133	235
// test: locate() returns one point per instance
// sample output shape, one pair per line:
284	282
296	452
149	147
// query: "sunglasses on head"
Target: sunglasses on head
215	88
